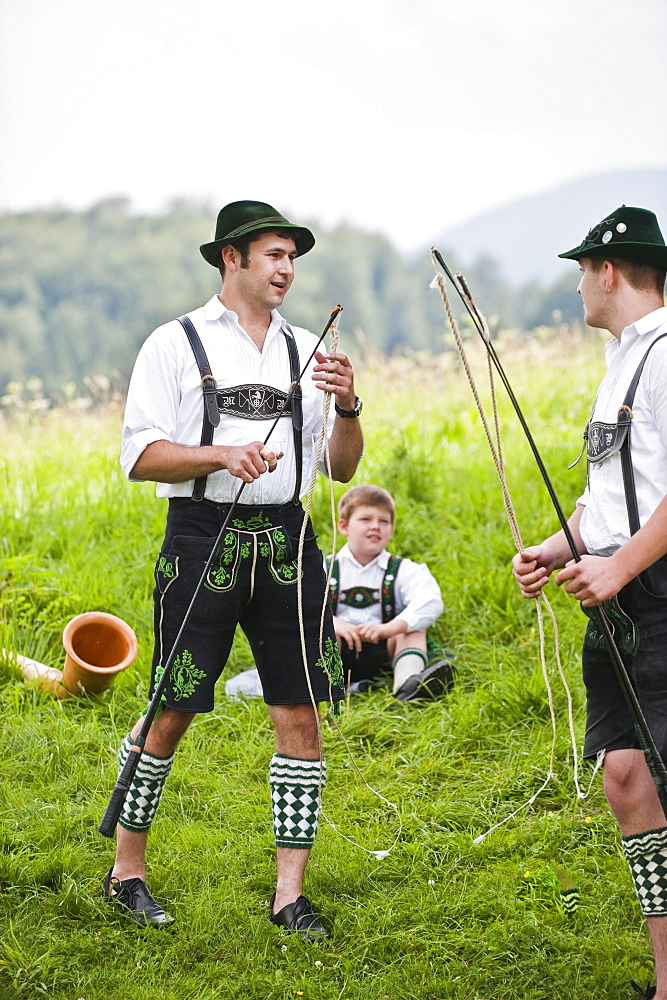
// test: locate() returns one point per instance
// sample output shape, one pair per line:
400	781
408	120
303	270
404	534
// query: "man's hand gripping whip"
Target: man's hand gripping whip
125	778
652	756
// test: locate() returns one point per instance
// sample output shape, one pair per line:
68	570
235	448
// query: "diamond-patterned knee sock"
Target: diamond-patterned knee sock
146	789
295	797
646	853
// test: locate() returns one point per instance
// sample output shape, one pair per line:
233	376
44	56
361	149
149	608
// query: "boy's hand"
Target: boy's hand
531	570
374	632
348	633
593	579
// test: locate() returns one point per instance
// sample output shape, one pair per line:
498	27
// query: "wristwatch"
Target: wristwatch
350	413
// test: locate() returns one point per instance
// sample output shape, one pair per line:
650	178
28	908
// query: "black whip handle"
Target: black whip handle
119	794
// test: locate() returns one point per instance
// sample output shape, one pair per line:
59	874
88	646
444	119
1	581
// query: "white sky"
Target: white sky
401	116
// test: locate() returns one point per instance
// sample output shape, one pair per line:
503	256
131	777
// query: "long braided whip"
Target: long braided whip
496	452
323	445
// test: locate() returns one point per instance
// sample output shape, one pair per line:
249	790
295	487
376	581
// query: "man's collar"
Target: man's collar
215	309
650	322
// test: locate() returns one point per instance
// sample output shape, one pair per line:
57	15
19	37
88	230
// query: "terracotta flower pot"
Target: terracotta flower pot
97	647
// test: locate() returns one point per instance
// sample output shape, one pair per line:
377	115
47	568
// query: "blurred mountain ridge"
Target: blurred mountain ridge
526	236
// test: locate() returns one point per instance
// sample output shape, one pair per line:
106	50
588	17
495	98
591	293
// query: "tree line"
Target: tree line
81	290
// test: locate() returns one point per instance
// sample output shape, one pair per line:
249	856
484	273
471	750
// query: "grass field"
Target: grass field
441	916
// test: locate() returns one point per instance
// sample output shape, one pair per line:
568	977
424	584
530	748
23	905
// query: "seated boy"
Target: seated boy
383	604
382	607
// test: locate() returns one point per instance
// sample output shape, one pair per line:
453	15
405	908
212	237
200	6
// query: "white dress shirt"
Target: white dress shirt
604	524
418	600
165	400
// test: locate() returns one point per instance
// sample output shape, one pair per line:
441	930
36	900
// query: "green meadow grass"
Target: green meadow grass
440	917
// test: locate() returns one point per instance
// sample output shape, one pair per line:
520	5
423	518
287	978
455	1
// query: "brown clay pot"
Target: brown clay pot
97	647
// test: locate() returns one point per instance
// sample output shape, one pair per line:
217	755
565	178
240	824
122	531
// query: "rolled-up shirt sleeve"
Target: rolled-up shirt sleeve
424	606
153	399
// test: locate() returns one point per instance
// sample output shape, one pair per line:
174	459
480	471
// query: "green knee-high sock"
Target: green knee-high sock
146	789
295	797
646	853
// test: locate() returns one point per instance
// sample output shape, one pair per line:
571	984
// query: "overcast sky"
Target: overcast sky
402	116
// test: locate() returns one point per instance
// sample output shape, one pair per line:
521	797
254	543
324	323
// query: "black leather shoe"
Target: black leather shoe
646	994
133	896
430	683
300	918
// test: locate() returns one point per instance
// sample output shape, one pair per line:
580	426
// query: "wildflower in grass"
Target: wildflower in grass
318	964
589	819
283	947
431	881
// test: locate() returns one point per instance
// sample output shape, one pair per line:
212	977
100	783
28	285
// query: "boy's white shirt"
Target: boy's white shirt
418	600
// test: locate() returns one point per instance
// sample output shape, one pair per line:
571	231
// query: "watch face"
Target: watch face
350	413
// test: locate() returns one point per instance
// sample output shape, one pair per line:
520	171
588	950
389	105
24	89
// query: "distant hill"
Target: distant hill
526	236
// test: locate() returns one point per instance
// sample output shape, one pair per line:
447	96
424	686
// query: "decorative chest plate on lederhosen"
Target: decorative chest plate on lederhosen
254	402
603	439
251	402
366	597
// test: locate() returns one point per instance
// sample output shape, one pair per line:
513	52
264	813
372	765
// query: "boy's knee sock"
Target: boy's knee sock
646	853
146	789
295	797
405	664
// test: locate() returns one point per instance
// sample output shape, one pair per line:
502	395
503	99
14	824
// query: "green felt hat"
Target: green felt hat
242	217
629	234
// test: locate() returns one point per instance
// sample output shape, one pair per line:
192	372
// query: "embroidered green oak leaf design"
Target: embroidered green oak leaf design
281	548
220	576
185	676
331	663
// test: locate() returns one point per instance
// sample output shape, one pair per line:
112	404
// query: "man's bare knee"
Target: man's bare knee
166	731
627	780
296	730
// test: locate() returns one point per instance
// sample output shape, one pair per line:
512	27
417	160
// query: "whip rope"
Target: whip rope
323	445
542	601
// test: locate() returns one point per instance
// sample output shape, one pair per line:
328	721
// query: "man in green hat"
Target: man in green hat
204	393
620	529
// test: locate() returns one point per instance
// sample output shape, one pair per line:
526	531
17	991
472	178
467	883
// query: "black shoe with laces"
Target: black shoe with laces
300	918
133	896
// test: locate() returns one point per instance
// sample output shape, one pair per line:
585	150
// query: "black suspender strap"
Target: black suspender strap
625	416
389	589
210	390
211	417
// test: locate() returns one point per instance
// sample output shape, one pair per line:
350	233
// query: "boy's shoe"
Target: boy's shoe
646	994
133	896
430	683
363	686
300	918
